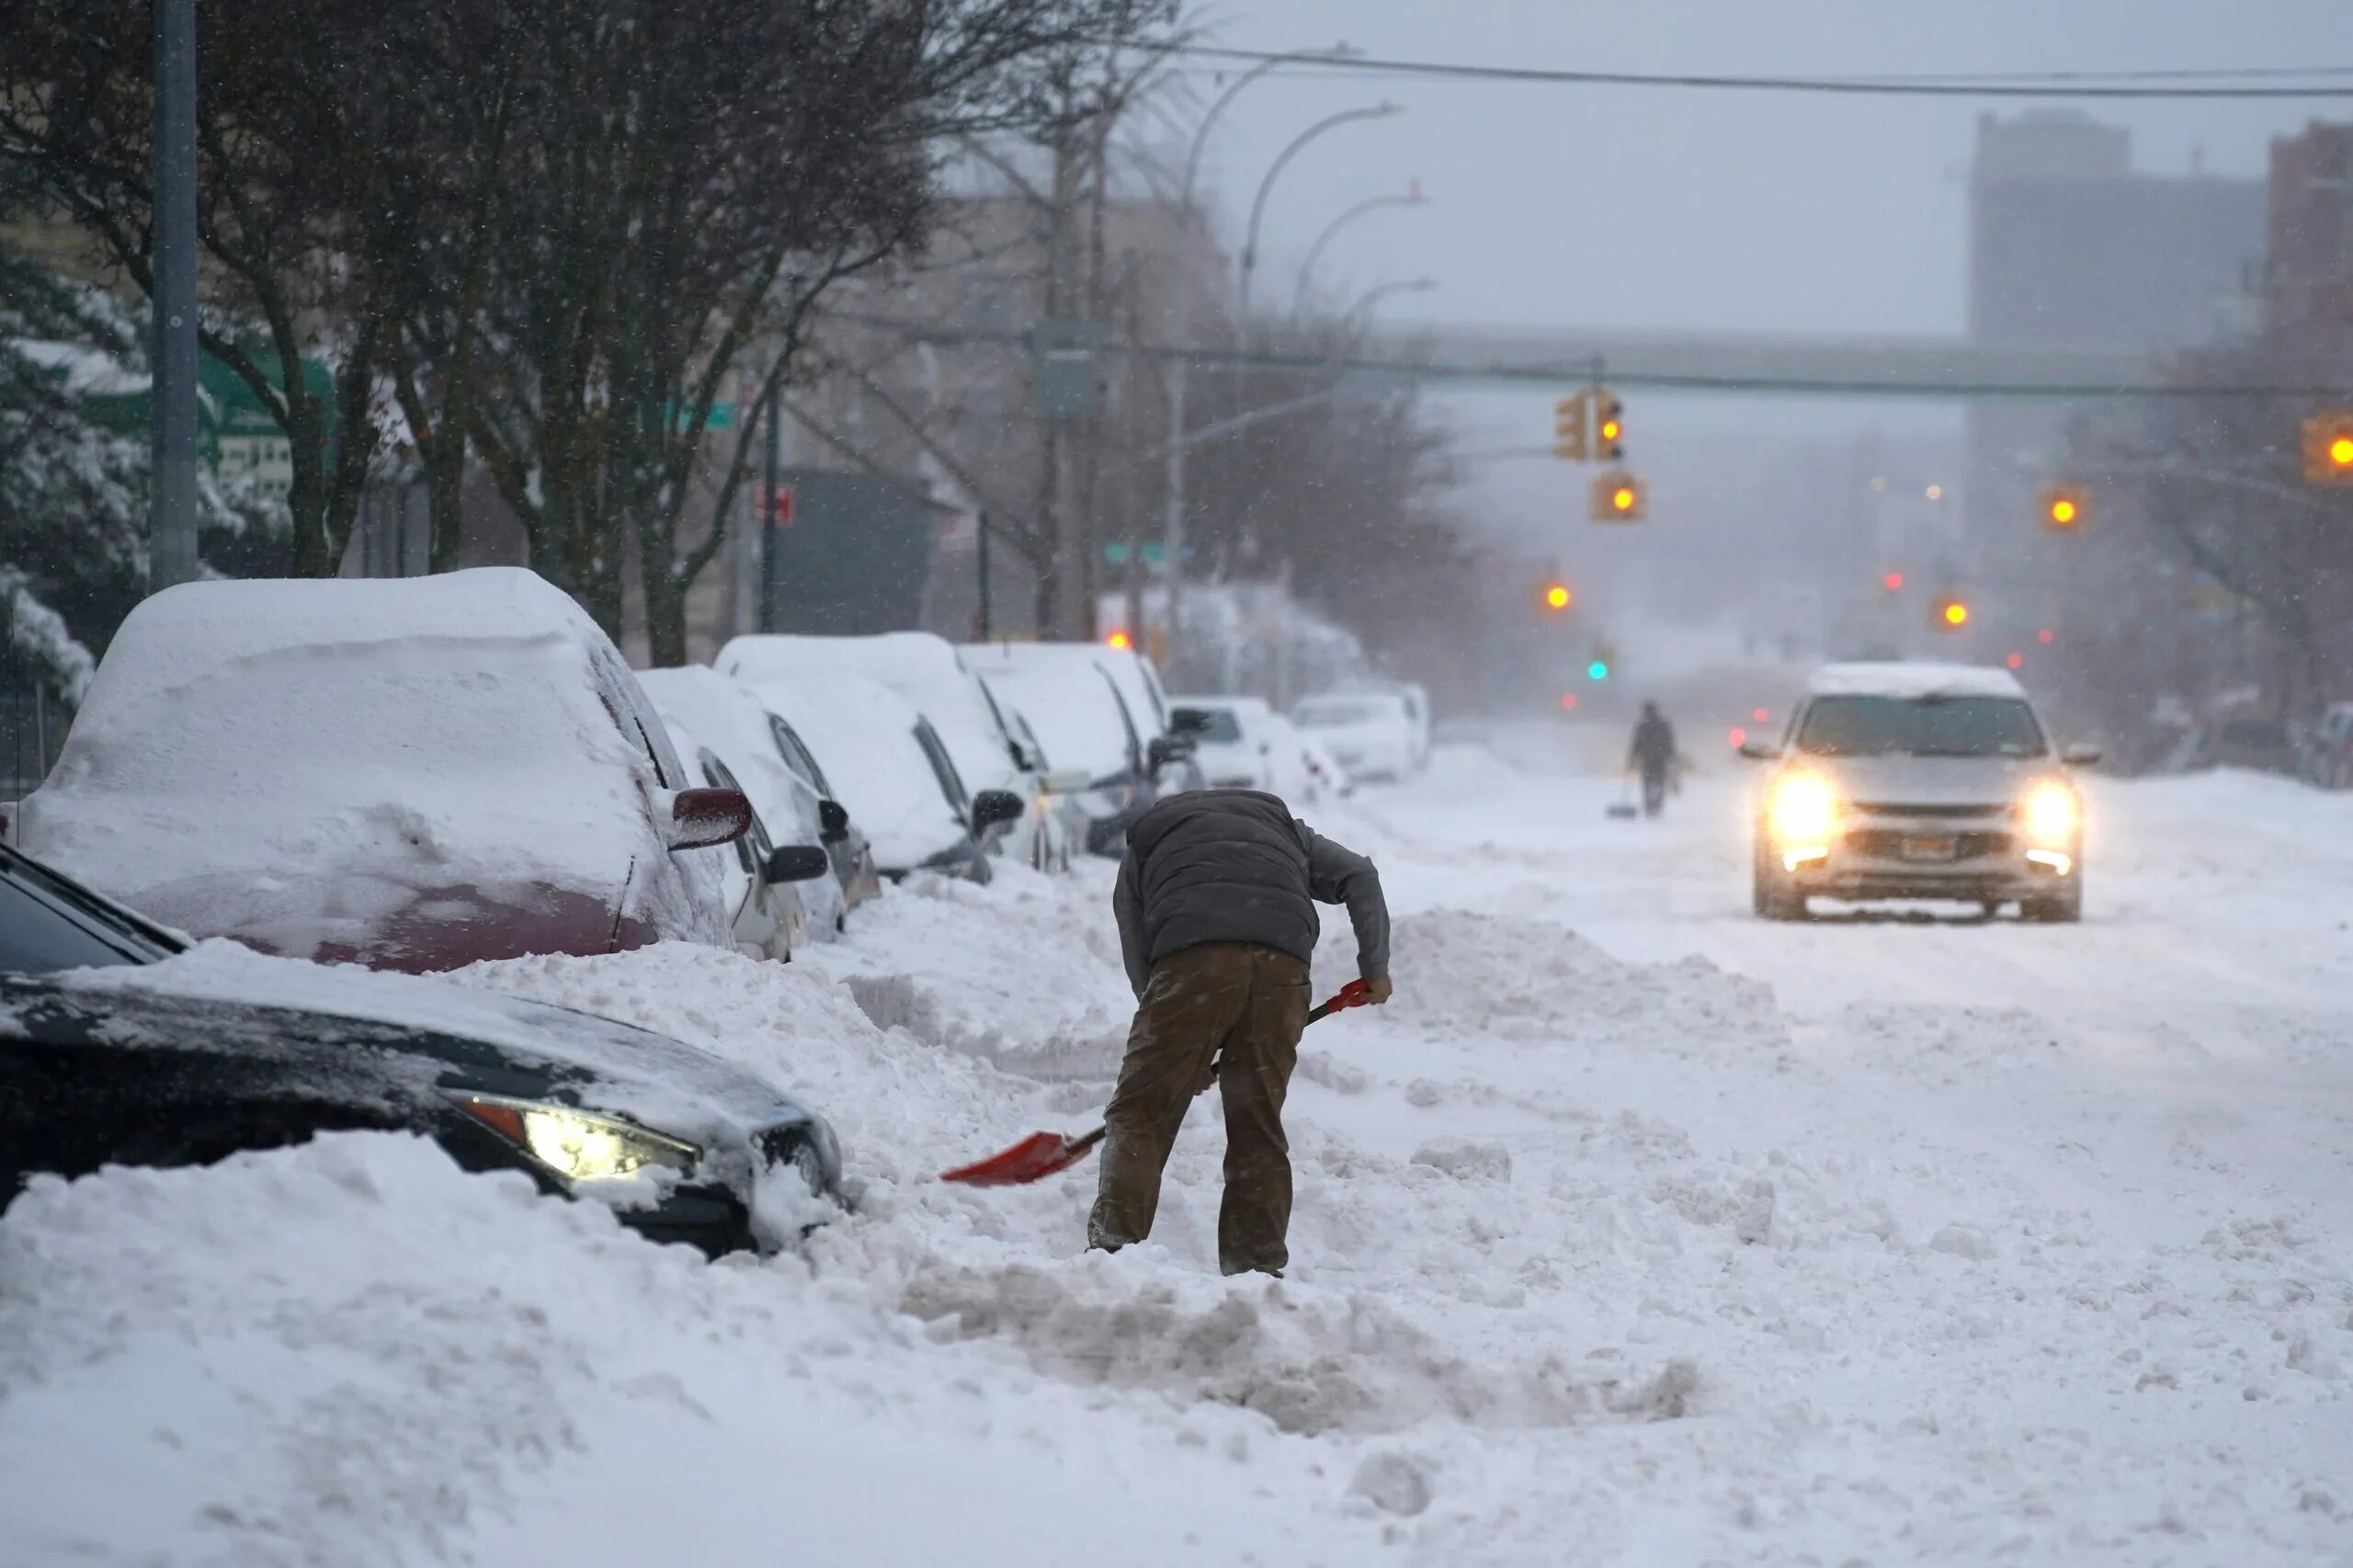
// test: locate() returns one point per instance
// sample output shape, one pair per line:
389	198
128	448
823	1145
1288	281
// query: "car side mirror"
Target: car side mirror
1760	751
991	807
700	819
2082	756
833	821
1166	749
1066	780
1188	721
797	863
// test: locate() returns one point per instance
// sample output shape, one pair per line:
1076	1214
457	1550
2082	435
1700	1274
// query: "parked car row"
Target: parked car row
413	774
1371	730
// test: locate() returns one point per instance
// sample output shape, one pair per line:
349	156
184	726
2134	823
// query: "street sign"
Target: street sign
1065	369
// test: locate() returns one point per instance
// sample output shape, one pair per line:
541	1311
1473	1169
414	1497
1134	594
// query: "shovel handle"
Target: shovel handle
1353	995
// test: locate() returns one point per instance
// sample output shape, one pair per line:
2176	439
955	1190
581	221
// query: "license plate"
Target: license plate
1943	846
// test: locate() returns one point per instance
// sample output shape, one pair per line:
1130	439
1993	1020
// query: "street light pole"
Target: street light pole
1383	110
171	515
1372	298
1314	253
1179	370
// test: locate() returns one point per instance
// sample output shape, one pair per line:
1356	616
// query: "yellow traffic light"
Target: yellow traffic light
1609	426
2066	506
1619	497
1569	427
1557	596
1120	639
2328	447
1953	614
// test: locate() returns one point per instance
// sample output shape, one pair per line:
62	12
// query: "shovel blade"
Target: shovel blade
1039	1155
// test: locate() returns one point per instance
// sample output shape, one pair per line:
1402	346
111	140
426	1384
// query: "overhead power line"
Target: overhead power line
2244	83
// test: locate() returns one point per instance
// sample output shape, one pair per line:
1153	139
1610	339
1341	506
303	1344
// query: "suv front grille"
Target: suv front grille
1901	809
1887	843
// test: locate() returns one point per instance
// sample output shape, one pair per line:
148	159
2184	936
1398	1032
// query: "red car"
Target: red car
412	774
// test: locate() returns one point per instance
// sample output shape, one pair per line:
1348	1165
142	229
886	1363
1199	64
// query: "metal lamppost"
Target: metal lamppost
1412	197
171	516
1266	187
1371	299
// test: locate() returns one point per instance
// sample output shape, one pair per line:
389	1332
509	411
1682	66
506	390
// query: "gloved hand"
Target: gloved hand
1377	992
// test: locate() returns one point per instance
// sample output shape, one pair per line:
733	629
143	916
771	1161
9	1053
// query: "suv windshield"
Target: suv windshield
1215	726
1920	726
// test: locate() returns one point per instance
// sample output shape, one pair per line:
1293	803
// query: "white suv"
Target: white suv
1919	781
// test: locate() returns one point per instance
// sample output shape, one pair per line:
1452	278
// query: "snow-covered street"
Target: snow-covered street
1634	1230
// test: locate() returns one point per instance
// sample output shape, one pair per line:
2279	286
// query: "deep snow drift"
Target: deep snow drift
1633	1232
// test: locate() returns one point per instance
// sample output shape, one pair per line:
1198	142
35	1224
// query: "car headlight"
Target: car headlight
1804	809
2052	812
577	1145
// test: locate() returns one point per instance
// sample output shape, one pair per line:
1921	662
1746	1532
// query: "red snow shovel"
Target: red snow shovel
1042	1153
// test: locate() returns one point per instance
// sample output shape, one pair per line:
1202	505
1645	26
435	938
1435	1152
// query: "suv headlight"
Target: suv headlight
574	1144
1804	809
2051	812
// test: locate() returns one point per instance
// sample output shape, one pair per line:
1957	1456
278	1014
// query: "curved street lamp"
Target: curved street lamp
1383	110
1341	50
1412	197
1372	297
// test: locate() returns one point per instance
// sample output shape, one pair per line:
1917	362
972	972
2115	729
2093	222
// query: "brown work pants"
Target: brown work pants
1244	1005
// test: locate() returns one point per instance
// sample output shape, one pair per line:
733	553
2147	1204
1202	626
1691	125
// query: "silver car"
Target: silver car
1919	781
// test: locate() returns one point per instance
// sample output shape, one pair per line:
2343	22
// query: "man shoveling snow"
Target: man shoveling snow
1216	905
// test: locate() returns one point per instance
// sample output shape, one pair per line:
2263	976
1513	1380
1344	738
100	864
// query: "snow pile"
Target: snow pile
1023	972
1460	972
350	1352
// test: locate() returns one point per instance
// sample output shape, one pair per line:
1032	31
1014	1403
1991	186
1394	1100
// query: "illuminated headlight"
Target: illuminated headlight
2051	812
576	1145
1803	810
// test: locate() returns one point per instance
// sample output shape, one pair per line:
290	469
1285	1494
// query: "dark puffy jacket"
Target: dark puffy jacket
1234	866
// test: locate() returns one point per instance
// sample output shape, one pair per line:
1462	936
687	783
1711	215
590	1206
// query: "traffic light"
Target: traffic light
1892	581
1953	614
2328	447
1619	497
1569	427
2066	507
1609	426
1597	670
1557	596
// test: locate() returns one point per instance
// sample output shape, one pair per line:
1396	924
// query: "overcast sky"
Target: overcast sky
1646	208
1652	208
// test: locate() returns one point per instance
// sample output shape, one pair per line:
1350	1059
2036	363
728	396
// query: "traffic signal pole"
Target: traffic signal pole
171	516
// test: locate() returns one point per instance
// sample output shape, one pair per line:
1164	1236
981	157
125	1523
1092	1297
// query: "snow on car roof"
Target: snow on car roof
1126	666
724	715
287	760
921	666
863	735
1906	679
1073	706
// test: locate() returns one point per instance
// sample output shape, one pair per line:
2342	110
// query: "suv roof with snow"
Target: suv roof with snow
1906	679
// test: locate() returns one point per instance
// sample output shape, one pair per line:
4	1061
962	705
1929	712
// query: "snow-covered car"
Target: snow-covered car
412	774
1370	732
927	671
1233	742
120	1046
1331	778
893	771
1077	709
723	716
1309	775
1416	701
2328	749
1167	757
761	890
1919	781
853	853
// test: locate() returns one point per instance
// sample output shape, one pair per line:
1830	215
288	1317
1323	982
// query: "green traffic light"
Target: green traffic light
1598	670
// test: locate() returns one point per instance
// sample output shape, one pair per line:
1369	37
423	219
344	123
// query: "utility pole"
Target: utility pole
771	477
982	522
171	517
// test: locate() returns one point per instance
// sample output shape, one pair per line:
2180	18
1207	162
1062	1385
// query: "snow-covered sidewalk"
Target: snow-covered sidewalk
1633	1232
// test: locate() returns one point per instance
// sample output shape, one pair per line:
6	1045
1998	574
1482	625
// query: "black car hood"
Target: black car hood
405	1036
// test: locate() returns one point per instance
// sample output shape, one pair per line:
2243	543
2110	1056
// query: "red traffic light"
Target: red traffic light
1892	581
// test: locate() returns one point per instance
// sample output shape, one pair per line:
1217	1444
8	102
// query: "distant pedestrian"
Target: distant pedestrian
1216	907
1653	757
